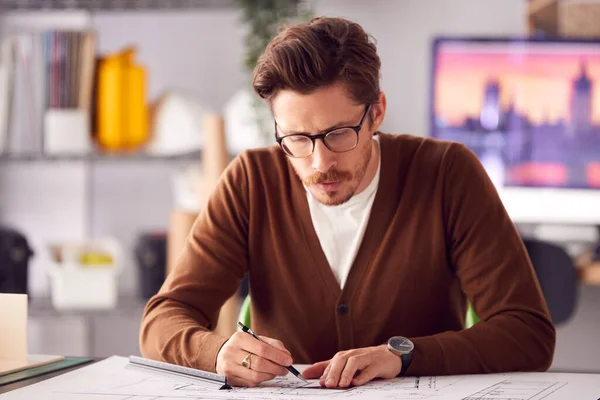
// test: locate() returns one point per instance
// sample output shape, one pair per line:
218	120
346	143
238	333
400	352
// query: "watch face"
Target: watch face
401	344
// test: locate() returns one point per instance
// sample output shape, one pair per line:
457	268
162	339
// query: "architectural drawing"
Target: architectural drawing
439	382
112	379
515	389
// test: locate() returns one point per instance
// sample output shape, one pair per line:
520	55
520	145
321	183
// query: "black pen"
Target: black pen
290	368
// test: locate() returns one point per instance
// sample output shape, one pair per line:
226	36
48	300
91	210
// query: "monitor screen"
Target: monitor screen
529	109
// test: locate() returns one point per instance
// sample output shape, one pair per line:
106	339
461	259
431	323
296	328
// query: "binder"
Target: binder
68	362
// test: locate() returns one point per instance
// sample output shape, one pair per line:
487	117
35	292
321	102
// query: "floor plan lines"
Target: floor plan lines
514	389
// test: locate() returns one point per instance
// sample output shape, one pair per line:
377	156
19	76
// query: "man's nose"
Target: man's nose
323	159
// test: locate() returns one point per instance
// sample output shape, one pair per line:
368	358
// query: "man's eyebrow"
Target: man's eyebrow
338	125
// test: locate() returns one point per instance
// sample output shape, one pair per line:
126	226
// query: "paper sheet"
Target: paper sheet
113	379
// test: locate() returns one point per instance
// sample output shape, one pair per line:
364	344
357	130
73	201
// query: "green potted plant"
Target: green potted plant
264	18
248	121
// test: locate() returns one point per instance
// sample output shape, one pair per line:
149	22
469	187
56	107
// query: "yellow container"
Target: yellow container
122	109
136	120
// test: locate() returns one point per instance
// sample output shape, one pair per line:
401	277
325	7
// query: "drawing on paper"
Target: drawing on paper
439	382
515	389
111	378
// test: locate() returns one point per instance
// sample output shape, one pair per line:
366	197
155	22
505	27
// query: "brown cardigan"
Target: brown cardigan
438	236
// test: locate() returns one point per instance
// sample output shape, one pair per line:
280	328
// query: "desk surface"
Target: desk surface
30	381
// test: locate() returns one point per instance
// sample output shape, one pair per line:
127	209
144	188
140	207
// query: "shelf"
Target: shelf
98	158
126	306
114	5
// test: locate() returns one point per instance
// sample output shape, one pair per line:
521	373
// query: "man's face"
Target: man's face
333	178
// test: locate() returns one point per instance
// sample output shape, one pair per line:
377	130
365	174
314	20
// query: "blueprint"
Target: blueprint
115	379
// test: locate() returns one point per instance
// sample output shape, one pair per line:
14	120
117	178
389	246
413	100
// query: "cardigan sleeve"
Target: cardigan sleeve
178	322
486	251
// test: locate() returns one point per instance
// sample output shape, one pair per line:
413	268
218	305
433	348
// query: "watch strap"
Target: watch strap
406	361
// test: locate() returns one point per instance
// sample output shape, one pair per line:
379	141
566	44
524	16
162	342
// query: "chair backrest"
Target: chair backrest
557	275
244	316
471	318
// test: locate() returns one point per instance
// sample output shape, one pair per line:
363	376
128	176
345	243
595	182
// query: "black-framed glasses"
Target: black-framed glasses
338	140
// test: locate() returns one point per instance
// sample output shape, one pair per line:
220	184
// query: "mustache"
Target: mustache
333	175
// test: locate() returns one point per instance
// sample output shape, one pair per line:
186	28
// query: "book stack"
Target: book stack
42	71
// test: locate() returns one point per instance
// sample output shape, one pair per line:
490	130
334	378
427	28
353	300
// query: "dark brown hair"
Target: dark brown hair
319	53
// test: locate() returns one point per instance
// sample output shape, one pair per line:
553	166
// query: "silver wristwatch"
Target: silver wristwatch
403	348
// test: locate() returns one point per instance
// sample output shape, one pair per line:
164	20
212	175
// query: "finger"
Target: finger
264	350
237	374
366	375
275	343
261	364
316	370
353	365
325	373
338	363
250	375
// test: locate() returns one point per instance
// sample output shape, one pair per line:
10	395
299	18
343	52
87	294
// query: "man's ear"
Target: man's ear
378	112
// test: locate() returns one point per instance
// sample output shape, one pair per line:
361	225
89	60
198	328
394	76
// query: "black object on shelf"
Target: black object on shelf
15	254
151	256
109	5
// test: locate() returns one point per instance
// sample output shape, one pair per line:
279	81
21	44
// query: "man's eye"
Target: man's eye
296	139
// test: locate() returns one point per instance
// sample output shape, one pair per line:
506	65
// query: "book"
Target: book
32	361
32	372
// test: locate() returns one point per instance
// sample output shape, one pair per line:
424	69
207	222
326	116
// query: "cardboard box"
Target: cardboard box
180	225
566	18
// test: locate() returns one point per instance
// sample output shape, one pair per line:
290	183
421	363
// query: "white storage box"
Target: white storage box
67	132
84	276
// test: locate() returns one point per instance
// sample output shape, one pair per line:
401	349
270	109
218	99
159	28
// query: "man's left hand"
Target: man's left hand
355	367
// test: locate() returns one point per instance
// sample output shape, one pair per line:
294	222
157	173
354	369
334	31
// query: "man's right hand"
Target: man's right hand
267	360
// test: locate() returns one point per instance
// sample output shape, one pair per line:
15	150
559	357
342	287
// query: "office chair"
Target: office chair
557	275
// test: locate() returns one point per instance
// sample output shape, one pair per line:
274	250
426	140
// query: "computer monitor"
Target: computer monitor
530	110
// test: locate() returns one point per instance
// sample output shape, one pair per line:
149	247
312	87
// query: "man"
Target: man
363	249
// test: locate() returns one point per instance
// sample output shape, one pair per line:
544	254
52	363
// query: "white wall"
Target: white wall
202	52
198	51
404	30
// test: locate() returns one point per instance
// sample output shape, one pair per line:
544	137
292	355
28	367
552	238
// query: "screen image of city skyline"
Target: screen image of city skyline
538	85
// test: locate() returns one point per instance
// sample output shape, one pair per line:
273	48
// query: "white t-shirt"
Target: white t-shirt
340	229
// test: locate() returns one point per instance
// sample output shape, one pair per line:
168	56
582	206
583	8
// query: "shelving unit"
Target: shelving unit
113	5
98	157
143	182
